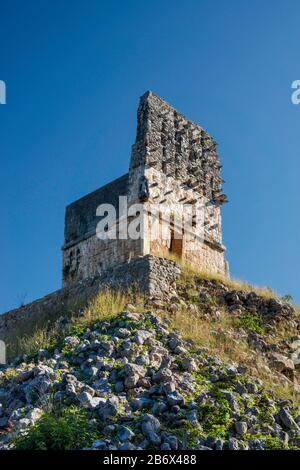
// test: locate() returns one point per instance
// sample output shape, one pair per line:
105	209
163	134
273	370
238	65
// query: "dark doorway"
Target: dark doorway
176	244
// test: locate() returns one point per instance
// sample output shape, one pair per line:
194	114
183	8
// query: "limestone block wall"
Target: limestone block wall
155	277
176	161
85	255
91	257
203	249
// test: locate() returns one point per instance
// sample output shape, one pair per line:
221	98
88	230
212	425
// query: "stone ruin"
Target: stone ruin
174	163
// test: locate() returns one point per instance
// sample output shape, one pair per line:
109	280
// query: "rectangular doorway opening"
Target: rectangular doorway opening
176	245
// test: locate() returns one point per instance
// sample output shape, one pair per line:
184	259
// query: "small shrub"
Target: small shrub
251	321
216	419
287	298
272	443
188	433
269	442
67	430
8	375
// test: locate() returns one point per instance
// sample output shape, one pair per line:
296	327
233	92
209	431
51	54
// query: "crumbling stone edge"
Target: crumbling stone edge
153	276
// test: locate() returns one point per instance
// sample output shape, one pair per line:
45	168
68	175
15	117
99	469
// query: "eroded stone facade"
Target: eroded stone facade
173	163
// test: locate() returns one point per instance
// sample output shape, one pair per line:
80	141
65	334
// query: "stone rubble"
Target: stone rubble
211	296
146	388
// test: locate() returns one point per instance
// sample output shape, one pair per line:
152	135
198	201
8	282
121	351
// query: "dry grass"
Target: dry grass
220	339
104	306
189	271
220	336
28	344
284	330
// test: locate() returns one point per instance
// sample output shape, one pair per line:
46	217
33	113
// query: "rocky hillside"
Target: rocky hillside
214	368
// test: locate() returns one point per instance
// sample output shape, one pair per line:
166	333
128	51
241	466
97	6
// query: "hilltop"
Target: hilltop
214	367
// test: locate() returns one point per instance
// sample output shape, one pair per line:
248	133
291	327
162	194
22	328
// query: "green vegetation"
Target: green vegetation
220	334
66	429
251	321
105	306
287	298
216	418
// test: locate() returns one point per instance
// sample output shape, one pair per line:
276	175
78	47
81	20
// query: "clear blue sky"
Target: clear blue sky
74	72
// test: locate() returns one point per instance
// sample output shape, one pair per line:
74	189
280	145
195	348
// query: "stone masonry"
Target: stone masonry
155	277
173	163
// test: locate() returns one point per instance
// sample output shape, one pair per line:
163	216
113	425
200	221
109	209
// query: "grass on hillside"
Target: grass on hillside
216	335
105	306
188	271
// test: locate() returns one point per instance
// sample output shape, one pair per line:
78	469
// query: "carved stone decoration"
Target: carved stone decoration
143	189
173	161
